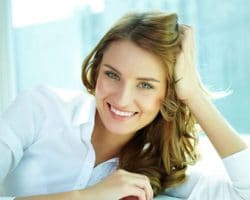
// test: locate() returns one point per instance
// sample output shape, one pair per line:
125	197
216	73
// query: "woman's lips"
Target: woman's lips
120	113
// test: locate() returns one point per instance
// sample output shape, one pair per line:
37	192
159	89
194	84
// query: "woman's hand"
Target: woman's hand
186	75
123	185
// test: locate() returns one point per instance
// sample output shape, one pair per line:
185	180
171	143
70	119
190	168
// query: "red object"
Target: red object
130	198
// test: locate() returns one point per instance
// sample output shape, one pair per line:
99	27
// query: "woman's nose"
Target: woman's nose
124	96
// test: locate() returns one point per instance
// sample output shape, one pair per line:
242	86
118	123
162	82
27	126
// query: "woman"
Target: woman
133	136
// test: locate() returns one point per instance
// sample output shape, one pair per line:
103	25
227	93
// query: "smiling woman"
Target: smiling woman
128	95
132	69
131	47
133	134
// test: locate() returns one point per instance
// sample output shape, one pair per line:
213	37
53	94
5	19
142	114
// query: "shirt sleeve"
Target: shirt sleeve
18	127
207	186
237	166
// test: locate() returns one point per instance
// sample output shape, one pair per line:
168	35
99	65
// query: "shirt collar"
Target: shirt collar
85	111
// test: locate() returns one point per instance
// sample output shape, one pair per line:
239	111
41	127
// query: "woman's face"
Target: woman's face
130	88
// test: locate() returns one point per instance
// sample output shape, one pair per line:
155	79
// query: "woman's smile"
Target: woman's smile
120	113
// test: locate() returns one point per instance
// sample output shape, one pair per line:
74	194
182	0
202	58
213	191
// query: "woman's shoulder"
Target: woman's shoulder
46	95
50	101
64	94
72	105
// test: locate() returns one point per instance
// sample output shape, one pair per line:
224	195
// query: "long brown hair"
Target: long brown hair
163	149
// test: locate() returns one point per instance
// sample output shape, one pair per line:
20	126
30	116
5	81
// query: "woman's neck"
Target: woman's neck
106	144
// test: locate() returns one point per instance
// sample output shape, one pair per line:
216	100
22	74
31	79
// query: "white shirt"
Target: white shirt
45	147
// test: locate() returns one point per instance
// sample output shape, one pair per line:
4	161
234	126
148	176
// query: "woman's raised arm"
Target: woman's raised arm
223	137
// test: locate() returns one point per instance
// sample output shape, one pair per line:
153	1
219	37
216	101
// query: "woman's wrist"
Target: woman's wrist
196	100
90	193
85	194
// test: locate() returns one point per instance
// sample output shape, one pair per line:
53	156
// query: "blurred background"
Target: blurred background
45	42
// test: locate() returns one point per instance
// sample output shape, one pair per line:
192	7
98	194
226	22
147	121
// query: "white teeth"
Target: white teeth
121	113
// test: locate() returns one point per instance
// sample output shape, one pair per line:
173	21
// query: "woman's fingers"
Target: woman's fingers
186	73
123	184
187	41
142	182
187	45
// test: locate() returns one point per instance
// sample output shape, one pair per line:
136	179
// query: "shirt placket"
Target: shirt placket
87	168
89	160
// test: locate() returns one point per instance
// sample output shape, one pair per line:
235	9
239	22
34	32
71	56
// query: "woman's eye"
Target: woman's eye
112	75
145	85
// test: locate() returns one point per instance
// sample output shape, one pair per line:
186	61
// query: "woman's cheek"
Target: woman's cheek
151	101
105	87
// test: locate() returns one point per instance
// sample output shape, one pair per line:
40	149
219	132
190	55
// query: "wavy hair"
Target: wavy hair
163	149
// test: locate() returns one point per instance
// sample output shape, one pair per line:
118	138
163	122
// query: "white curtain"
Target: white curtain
7	71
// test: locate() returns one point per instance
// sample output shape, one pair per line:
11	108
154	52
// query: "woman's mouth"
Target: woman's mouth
121	113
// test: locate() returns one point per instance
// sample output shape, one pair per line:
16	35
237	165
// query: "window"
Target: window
51	38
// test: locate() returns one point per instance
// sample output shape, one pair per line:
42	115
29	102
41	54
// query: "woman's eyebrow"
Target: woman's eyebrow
112	68
139	78
148	79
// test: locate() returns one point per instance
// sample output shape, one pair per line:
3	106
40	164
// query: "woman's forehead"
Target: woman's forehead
128	57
